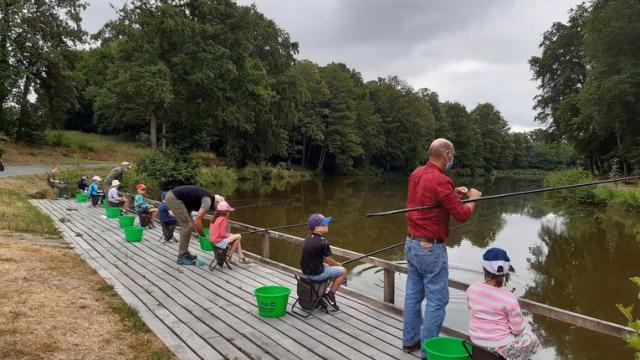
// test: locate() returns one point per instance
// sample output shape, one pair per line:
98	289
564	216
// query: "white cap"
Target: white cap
115	183
97	178
125	163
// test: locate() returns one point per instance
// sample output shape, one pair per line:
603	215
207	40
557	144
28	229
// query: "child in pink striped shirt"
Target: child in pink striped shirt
219	236
495	320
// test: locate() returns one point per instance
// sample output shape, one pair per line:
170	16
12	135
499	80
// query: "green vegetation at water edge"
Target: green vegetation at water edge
614	195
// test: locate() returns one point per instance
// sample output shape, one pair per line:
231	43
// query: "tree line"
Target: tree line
212	75
589	82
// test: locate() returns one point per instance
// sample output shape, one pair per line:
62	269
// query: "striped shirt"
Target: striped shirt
495	317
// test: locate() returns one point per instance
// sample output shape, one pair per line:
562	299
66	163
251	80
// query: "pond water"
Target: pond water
577	258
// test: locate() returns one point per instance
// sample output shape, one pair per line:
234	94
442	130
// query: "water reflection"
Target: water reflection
575	258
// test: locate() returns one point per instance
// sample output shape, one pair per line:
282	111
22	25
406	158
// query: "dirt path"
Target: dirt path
54	306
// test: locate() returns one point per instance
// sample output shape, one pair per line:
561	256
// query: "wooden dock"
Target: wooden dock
202	314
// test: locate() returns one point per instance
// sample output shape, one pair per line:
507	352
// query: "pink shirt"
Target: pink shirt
218	229
494	315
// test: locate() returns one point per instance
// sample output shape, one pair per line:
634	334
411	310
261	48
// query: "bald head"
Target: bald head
439	147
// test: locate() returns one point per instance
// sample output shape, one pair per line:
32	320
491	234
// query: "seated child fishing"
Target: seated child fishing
495	318
221	238
317	263
82	183
114	199
142	206
94	193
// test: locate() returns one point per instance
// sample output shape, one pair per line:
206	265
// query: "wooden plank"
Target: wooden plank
389	286
248	290
395	347
144	293
264	330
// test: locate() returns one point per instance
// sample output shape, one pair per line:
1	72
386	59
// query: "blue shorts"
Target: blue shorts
329	272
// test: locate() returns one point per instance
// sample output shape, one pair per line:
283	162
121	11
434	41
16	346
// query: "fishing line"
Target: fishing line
403	242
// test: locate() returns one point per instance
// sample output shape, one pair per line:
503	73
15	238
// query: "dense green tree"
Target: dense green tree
497	148
36	48
406	122
466	137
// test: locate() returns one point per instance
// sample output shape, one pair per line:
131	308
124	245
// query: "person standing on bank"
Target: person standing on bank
117	173
425	249
182	201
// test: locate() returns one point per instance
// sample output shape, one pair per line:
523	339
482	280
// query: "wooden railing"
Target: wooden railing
390	269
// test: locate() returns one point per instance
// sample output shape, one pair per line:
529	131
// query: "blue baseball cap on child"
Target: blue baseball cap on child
497	262
318	220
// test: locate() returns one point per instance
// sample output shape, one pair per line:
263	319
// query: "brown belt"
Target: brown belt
430	241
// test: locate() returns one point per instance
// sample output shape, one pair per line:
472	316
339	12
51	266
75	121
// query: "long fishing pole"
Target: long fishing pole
404	242
300	224
500	196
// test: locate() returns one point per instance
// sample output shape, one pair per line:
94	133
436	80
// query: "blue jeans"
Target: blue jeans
427	276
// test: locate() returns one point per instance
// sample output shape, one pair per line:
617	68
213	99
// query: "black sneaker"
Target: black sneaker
411	348
189	256
184	260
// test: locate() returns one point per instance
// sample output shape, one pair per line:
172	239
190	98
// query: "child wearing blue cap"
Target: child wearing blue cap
495	318
317	263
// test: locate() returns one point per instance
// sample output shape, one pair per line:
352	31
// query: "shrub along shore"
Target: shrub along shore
624	196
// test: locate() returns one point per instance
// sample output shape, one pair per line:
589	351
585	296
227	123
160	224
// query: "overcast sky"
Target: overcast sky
468	51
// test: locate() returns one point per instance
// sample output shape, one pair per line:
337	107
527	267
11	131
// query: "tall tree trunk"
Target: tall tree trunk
620	151
24	108
4	56
153	130
164	135
304	151
322	155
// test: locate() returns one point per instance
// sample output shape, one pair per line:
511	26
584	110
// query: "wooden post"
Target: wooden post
265	245
389	286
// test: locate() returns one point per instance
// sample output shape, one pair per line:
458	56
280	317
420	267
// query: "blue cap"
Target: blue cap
497	262
318	220
163	195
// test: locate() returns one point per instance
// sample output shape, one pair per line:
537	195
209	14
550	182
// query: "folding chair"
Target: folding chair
481	353
220	258
168	230
144	217
311	297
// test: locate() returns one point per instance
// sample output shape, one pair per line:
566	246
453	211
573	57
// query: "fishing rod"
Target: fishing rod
404	242
300	224
500	196
266	202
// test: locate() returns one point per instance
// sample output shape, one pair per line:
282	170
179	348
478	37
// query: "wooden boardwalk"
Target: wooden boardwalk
201	314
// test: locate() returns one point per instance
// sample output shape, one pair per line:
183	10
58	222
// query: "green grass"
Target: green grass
18	215
95	146
128	315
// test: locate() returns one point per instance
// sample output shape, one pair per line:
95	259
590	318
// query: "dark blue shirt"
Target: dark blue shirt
163	214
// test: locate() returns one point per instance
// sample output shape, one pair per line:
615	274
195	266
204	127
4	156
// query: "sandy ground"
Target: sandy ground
53	306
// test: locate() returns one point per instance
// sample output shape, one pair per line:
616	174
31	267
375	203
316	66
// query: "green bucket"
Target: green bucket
133	233
272	300
105	203
446	348
126	220
82	197
206	232
205	244
112	213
